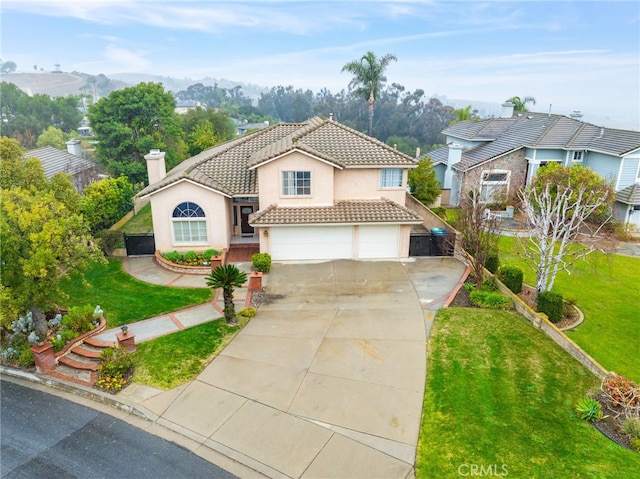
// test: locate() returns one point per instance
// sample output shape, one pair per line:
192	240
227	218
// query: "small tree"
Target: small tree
228	277
423	182
557	204
478	233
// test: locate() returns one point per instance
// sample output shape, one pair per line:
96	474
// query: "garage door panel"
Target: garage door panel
378	242
311	243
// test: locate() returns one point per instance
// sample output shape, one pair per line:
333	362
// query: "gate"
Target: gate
429	244
139	244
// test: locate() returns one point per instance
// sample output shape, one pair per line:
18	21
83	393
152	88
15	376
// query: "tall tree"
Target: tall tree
228	277
558	203
423	182
43	238
130	122
464	114
520	104
368	77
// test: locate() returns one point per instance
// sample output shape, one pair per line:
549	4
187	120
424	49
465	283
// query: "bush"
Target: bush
631	426
109	240
247	313
261	262
79	319
172	256
115	369
551	304
512	277
635	444
589	409
209	253
622	393
440	211
26	357
490	299
190	255
493	262
489	284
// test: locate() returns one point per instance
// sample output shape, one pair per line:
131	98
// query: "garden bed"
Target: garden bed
213	263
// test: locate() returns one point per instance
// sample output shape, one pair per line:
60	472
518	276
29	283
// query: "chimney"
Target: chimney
507	110
455	155
418	152
74	147
156	169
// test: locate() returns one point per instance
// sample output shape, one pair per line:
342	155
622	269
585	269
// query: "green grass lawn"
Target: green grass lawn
125	299
607	290
140	223
171	360
499	392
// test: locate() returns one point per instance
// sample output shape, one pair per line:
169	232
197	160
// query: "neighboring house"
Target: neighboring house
55	161
499	156
243	127
184	106
314	190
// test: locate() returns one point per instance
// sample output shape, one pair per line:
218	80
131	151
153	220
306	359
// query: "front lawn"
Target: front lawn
500	397
606	288
171	360
125	299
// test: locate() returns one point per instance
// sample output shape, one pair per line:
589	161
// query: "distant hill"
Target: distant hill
64	83
53	84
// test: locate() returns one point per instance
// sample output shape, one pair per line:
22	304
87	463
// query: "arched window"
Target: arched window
189	223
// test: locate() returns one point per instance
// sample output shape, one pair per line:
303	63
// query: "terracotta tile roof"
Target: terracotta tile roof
342	212
230	167
629	195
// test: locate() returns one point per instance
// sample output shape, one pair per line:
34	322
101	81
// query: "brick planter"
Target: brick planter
127	341
255	281
178	268
44	357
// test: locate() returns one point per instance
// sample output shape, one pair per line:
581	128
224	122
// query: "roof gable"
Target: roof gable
231	167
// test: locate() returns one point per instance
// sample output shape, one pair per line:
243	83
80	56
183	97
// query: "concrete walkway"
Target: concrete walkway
327	380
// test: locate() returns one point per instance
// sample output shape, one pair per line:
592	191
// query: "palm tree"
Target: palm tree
368	77
227	277
464	114
521	104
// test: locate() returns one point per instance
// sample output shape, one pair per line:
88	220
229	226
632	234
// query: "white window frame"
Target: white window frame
489	187
577	157
295	183
189	224
391	178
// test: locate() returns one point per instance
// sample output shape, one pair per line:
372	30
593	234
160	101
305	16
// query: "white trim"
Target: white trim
188	180
282	155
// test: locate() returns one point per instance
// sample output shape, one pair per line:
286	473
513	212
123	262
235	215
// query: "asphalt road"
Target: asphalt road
44	436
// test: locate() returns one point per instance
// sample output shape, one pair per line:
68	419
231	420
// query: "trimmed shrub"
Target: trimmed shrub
190	255
551	304
26	357
489	284
172	256
209	253
441	211
261	262
512	277
493	262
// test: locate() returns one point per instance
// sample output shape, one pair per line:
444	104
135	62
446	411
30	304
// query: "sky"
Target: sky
575	55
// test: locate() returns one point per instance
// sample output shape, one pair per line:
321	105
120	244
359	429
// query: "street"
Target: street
47	436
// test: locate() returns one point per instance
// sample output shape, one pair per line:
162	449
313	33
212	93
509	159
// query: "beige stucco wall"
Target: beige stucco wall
217	209
269	181
364	183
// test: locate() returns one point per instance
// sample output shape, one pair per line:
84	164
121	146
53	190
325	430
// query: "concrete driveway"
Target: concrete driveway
328	379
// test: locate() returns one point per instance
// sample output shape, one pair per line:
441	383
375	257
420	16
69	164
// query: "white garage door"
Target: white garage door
311	242
378	242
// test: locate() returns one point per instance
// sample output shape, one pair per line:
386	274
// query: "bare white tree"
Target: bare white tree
557	204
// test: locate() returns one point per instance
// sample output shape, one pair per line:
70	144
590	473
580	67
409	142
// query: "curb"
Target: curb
82	391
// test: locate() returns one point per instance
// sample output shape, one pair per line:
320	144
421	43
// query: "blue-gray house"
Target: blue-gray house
499	156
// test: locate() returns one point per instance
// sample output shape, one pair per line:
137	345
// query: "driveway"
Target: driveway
328	379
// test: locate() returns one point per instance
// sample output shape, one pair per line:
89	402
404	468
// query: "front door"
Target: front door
245	228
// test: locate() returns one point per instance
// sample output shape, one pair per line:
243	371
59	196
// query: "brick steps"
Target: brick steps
81	364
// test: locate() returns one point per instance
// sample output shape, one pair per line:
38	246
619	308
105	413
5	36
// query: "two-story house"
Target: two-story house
499	156
314	190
